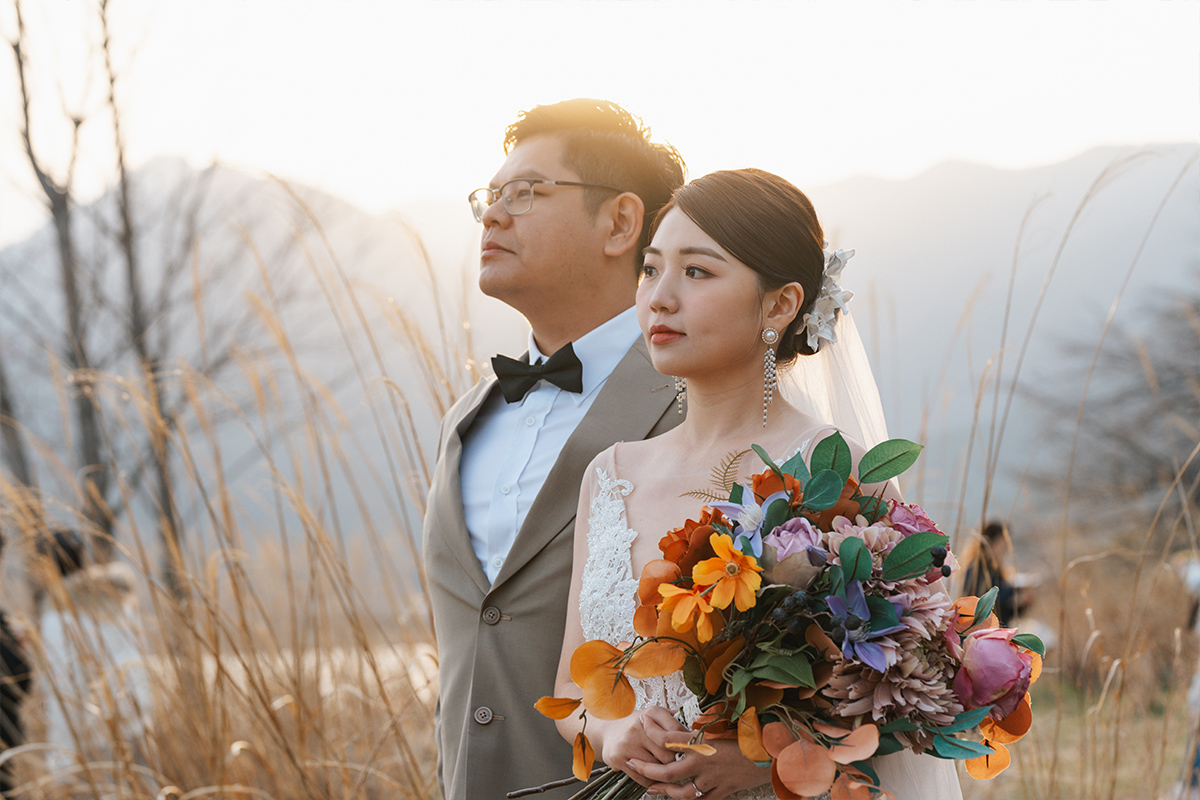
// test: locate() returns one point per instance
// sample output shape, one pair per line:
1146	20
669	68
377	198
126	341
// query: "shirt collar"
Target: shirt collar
599	350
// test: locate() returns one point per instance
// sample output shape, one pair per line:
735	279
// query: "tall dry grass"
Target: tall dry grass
298	662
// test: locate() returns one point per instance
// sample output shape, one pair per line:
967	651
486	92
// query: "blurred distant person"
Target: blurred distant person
15	682
564	222
97	695
988	567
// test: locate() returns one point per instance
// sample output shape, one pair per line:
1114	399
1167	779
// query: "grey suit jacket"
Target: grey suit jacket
498	644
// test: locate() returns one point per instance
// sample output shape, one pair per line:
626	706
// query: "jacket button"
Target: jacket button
491	615
483	715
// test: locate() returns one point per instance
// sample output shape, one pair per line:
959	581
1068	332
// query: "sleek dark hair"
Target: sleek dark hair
605	144
770	226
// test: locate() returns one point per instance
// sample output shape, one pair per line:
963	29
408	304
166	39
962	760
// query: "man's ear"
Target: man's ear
623	217
782	305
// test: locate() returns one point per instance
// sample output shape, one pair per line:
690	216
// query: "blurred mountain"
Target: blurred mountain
937	256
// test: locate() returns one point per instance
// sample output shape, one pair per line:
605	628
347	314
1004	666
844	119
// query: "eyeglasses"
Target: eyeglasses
517	195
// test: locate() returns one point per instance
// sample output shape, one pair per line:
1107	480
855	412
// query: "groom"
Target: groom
564	223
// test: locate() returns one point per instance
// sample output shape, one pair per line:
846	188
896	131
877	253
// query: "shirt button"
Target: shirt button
498	562
505	489
491	615
530	421
483	715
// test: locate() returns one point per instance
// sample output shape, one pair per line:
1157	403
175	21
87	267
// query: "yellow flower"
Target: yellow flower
687	607
734	576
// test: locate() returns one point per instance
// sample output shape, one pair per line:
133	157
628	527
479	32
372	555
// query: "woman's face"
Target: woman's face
701	310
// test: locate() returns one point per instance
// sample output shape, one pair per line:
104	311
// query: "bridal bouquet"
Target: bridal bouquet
809	621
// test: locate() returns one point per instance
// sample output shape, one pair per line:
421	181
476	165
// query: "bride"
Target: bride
735	266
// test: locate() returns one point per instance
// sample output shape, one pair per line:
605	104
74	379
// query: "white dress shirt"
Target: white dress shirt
509	450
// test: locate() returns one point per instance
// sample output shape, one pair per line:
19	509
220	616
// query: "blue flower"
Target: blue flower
748	517
852	621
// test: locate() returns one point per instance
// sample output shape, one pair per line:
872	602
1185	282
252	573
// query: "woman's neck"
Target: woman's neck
727	414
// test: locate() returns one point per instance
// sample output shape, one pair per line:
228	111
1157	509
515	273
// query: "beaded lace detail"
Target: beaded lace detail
608	599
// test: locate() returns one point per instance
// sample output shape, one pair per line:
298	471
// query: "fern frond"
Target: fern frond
724	475
706	494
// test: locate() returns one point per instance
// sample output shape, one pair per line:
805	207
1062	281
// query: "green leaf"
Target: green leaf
883	613
887	460
856	559
887	745
1030	642
866	769
910	557
772	672
738	682
837	581
833	453
767	460
797	666
952	747
735	494
901	725
966	720
693	675
873	508
823	490
777	514
795	467
985	605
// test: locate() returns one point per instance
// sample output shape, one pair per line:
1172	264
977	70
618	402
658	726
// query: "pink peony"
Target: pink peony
994	671
910	519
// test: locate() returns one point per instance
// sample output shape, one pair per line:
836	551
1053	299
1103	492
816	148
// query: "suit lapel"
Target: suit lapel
630	403
458	540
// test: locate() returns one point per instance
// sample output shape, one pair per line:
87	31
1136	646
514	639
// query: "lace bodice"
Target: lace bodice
608	599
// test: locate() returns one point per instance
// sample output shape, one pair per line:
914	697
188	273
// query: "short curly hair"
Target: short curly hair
605	144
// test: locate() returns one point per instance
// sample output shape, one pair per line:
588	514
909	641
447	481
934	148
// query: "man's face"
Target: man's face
541	255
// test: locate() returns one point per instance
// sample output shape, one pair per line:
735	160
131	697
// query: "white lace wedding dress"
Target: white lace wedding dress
608	599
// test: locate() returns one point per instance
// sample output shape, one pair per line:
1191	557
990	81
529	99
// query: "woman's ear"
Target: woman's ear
782	305
624	216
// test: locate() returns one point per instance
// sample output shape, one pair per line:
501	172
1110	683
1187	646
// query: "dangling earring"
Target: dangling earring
769	336
680	391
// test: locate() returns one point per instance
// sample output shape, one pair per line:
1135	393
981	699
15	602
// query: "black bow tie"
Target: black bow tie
517	377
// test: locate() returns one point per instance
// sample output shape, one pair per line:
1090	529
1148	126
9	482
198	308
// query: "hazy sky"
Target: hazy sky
385	103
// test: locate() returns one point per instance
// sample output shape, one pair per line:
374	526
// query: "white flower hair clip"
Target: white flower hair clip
831	300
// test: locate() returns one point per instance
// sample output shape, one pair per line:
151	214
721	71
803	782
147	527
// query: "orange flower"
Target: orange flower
688	545
734	575
768	483
687	608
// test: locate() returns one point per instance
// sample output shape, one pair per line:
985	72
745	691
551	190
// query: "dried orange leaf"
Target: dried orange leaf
1011	728
606	692
846	789
859	745
655	659
557	707
820	640
806	768
654	574
585	756
750	736
1036	668
965	609
719	657
989	766
775	737
645	621
699	747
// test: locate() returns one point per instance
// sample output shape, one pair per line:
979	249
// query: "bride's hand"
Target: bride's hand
627	742
711	777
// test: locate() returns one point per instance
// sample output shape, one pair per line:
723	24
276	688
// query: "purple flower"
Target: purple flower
910	519
792	537
748	517
852	621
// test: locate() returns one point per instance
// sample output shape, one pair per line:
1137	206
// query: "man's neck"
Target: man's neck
552	335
